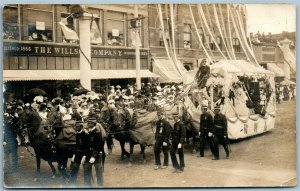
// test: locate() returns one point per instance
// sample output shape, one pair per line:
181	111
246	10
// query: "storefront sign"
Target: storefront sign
24	49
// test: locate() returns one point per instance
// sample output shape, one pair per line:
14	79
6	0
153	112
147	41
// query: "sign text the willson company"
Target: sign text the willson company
22	49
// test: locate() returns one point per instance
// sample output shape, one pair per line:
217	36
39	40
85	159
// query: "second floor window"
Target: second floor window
236	45
187	43
10	23
39	25
114	31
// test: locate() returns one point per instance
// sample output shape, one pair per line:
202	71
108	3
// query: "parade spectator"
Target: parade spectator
43	111
162	135
220	123
178	134
75	114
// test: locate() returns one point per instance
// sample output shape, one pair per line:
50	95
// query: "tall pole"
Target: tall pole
85	52
137	52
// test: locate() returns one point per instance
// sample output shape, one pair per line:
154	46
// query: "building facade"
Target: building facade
37	52
270	56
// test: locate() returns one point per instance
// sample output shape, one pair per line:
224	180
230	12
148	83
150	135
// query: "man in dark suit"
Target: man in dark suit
178	134
207	132
162	135
95	154
220	123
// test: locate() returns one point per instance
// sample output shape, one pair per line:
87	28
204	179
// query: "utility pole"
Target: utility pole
137	52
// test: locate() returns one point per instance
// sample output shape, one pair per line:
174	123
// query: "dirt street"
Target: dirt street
264	160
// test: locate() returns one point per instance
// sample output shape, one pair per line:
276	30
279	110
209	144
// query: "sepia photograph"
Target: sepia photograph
148	95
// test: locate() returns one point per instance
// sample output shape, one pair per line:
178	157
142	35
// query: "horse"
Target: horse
44	144
120	130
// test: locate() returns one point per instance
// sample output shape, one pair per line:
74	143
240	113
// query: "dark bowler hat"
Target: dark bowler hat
92	120
79	123
217	107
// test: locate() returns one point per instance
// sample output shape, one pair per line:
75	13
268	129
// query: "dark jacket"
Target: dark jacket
94	144
178	133
82	142
220	123
162	130
206	123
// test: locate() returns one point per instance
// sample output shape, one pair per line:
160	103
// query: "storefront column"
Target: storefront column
85	52
286	67
137	53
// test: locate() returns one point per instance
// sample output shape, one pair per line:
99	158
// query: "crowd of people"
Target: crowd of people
96	110
285	92
86	107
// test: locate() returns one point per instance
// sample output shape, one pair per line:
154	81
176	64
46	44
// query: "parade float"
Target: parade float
245	92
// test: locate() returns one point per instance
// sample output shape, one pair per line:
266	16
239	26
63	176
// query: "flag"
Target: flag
69	34
95	34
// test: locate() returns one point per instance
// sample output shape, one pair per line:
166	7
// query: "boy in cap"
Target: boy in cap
178	134
220	123
162	135
206	131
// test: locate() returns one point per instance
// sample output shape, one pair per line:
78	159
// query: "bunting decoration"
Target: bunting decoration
69	34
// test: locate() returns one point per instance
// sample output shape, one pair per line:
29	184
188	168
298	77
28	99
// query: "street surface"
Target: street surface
262	161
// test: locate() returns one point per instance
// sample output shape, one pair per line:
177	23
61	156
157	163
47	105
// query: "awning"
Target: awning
29	75
278	72
167	70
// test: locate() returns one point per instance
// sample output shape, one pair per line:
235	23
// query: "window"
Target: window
236	45
96	27
211	43
132	31
10	23
187	36
40	25
69	22
114	28
167	33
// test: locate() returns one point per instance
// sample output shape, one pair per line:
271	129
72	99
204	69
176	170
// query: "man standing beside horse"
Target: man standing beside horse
95	155
162	135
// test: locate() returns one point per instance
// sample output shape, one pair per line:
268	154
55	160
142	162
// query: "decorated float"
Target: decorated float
245	92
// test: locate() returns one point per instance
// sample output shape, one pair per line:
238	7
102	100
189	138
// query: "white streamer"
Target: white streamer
229	31
238	35
205	23
200	40
220	31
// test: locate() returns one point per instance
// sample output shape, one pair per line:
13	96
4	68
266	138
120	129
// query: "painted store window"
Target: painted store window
39	23
114	28
10	23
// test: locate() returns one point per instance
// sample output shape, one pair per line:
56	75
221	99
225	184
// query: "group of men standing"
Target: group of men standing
212	130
